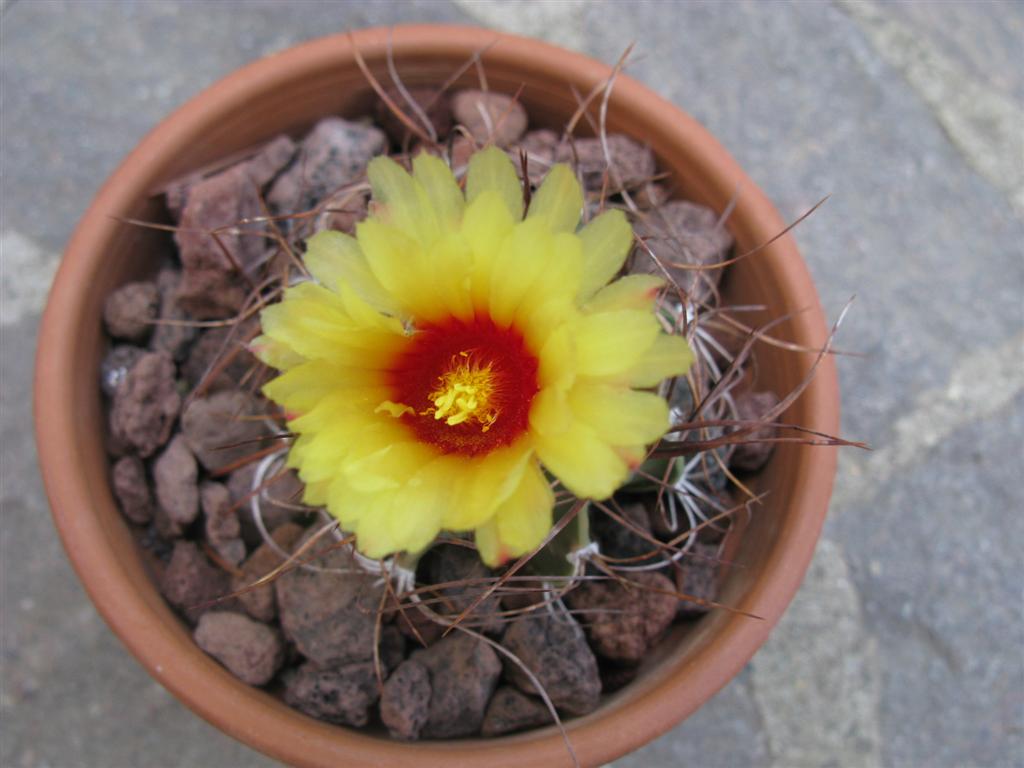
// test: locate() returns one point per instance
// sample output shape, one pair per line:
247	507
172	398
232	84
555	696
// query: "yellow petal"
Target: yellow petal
521	522
550	413
540	322
364	315
559	200
373	527
492	170
524	259
350	348
557	359
397	261
389	467
340	426
300	388
329	444
348	514
619	416
667	356
584	463
313	322
610	342
606	243
274	353
633	455
451	272
332	415
325	255
335	259
341	501
401	201
489	545
485	225
483	483
442	190
630	292
315	494
421	532
393	521
560	280
419	506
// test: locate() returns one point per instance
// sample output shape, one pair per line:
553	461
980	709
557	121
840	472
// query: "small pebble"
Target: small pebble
511	710
129	311
684	233
172	337
224	427
696	575
281	490
131	487
221	522
451	564
190	582
464	672
392	647
490	117
752	406
419	628
251	651
175	476
625	623
115	366
220	359
618	540
211	286
342	212
260	603
334	154
539	147
430	100
553	647
146	405
330	616
343	695
632	163
405	702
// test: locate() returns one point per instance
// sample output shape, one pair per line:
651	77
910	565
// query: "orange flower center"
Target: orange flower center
465	388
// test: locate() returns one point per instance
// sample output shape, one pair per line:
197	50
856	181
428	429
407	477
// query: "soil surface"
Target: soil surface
192	440
196	458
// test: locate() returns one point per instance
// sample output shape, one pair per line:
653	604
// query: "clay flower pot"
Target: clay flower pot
288	92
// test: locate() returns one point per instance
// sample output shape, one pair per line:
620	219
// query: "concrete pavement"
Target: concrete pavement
904	646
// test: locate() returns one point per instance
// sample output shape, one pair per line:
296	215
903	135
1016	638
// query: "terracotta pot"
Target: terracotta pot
288	92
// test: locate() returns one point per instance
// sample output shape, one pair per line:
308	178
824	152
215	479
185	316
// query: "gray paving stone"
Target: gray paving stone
982	120
84	80
910	228
986	45
726	732
935	555
825	710
928	531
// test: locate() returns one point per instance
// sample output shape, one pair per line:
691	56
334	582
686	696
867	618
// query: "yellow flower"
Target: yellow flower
454	346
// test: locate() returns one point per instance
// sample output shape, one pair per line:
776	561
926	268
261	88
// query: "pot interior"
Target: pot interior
263	101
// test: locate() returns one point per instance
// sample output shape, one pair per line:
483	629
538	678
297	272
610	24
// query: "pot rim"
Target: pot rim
150	631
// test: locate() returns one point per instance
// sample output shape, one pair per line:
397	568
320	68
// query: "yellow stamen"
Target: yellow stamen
464	393
394	409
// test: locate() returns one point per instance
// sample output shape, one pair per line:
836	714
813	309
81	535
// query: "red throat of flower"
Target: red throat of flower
468	386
